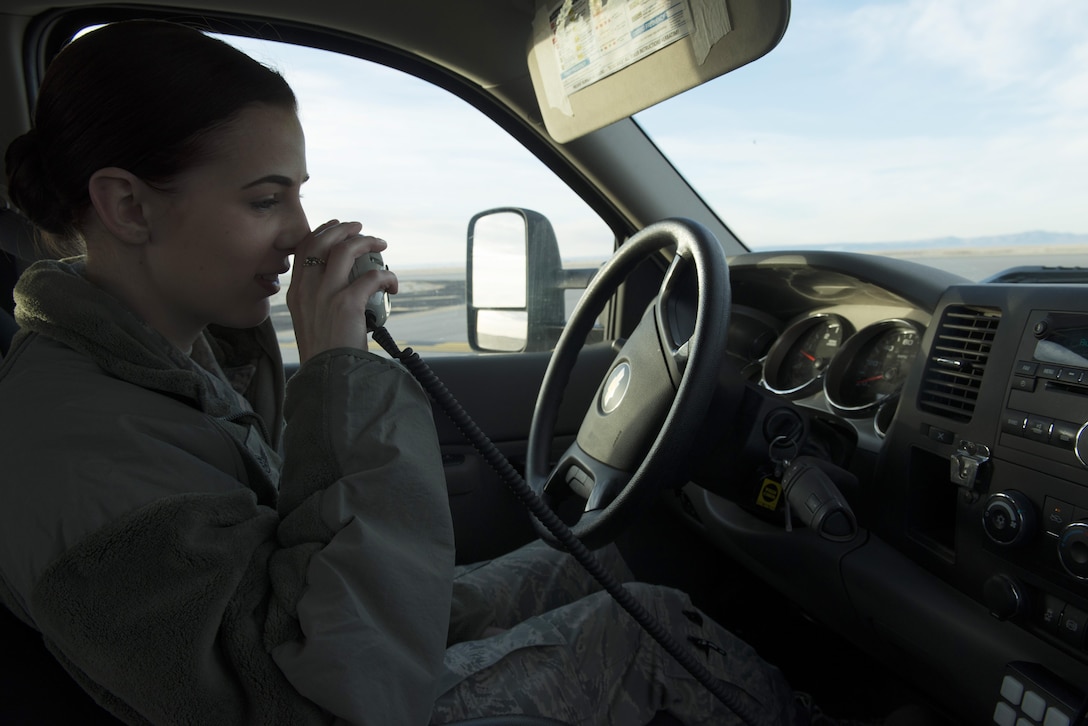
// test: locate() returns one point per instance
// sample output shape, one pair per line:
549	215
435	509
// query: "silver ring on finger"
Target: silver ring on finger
313	262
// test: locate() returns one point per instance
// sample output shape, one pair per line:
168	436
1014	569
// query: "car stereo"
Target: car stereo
1035	511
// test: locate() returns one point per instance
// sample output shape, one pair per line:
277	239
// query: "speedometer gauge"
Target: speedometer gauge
873	365
796	362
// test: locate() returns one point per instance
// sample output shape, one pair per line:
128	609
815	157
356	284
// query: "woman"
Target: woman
187	556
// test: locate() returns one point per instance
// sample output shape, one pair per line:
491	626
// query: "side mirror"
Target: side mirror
516	281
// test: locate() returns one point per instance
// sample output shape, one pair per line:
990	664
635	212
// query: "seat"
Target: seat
17	252
8	329
16	235
37	690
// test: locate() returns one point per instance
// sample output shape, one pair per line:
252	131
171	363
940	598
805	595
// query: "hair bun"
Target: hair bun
29	188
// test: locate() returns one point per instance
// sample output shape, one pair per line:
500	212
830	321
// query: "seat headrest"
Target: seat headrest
17	236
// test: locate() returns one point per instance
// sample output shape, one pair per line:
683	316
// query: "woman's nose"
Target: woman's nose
293	232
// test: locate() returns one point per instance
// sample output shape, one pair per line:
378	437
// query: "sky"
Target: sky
896	121
413	162
870	122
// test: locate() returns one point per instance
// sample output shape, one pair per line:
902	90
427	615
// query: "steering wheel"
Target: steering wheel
637	435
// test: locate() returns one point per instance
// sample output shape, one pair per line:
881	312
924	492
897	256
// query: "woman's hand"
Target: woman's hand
327	311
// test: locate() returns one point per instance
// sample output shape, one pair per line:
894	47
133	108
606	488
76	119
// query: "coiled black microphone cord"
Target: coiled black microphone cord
539	509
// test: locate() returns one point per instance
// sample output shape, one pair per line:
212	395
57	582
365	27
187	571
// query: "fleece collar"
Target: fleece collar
54	298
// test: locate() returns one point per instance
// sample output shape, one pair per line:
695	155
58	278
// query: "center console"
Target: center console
987	477
1034	514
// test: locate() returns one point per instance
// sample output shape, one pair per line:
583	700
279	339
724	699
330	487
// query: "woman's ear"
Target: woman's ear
116	198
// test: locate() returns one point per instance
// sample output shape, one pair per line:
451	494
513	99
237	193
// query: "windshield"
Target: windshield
949	131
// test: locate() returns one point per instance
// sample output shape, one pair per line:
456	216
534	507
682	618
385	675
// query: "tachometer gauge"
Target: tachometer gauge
872	366
796	362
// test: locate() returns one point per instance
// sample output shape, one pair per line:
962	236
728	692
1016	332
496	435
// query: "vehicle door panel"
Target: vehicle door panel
499	393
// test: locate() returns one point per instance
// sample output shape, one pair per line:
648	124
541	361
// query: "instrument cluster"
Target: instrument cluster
856	370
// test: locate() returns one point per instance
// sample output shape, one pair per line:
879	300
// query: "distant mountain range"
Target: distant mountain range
1022	241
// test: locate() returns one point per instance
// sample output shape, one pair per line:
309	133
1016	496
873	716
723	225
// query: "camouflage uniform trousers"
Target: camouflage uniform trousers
533	633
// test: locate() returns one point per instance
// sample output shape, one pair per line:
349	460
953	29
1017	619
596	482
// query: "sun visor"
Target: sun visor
594	62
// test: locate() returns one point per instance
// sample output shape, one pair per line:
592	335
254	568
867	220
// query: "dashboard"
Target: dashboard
957	412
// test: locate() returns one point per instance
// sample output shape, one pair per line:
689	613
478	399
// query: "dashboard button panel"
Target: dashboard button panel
1032	695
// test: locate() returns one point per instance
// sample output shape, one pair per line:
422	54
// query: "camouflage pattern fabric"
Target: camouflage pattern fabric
529	581
531	633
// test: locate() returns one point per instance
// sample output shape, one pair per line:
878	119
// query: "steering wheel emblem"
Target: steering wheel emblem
615	388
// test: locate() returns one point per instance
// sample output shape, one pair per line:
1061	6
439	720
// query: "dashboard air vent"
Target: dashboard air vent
953	373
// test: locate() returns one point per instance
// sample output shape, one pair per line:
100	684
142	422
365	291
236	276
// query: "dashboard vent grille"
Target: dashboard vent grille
953	373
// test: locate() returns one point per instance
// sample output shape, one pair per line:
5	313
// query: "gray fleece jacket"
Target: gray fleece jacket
189	559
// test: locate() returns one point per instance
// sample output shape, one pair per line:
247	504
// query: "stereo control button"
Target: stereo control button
1056	515
1071	375
1080	445
1064	435
1072	625
1003	596
1050	371
1023	383
1026	367
941	436
1051	613
1009	518
1012	422
1073	549
1038	428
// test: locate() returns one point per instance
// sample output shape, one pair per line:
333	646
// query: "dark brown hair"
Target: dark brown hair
140	95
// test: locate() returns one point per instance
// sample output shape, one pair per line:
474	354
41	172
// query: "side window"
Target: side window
414	164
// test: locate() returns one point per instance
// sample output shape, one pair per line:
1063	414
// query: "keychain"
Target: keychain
781	453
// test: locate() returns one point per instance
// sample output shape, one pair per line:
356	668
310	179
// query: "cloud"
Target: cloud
412	162
998	43
895	121
787	190
898	120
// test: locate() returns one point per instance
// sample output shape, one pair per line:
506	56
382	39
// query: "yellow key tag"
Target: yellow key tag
770	491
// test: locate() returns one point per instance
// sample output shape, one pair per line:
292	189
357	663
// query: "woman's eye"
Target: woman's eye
263	205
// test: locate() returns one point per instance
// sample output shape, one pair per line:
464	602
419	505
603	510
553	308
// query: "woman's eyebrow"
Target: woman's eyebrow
275	179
